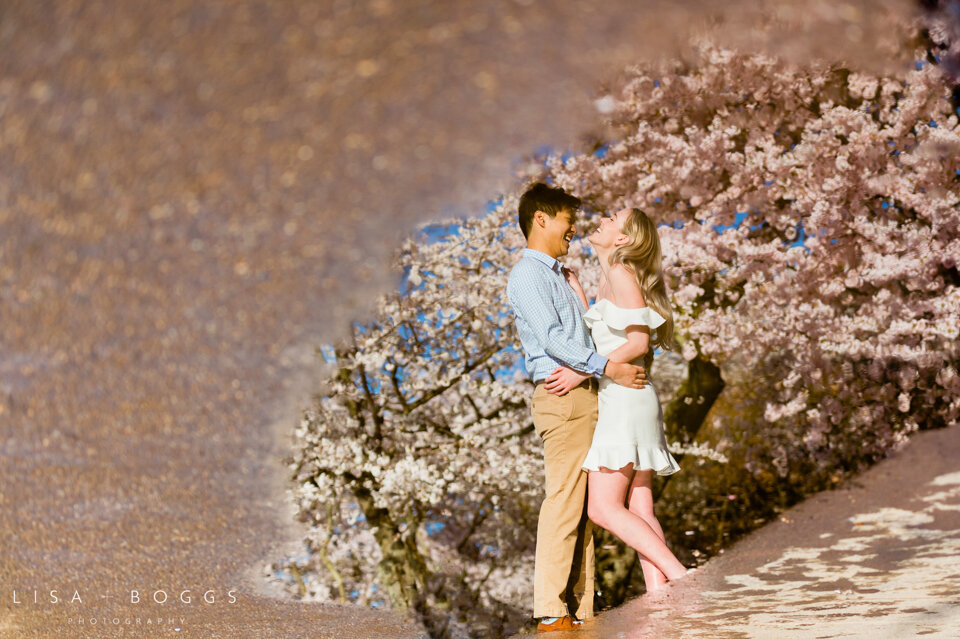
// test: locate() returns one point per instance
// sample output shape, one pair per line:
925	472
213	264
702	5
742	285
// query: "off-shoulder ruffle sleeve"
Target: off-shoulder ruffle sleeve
620	318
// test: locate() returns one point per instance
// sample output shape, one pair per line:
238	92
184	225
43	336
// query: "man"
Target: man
549	319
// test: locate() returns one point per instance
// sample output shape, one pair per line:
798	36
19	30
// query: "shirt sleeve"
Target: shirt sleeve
532	301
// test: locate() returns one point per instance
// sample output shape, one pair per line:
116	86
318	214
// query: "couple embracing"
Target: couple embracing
598	416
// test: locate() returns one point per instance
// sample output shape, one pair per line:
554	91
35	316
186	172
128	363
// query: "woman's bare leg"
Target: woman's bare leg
607	494
640	503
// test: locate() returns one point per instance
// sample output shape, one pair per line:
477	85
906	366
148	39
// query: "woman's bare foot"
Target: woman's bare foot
688	572
664	588
677	574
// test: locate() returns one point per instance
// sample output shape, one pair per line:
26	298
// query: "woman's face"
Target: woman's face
608	233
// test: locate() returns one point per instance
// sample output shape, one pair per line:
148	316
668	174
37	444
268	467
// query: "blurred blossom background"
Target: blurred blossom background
193	195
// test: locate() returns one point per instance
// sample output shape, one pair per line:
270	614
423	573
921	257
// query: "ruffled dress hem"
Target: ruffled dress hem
616	457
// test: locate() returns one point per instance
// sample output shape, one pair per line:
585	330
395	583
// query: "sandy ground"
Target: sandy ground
192	195
878	557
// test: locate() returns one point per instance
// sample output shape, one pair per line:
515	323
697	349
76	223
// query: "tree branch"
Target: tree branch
469	368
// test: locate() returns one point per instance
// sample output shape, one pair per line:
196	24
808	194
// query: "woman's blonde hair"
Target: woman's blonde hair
641	255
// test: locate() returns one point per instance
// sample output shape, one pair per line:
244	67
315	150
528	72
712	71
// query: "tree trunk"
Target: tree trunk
684	416
402	571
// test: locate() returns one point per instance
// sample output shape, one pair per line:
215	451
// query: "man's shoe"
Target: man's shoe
563	623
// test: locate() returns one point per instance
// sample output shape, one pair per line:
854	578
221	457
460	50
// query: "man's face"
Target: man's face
558	231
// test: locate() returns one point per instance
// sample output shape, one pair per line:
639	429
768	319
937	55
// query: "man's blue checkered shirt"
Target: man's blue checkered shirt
549	317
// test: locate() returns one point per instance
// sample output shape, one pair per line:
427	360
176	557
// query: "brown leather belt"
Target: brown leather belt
591	383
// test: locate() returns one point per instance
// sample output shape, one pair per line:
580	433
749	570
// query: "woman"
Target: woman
629	445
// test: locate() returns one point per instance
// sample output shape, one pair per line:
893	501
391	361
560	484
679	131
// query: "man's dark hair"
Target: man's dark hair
541	197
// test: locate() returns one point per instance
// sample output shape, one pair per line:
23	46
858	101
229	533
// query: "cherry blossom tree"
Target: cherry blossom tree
810	228
425	433
835	271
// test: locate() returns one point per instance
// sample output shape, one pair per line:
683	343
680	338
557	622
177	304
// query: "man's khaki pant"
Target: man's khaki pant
563	572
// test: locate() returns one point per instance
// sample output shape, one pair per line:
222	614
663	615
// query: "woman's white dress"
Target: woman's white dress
630	421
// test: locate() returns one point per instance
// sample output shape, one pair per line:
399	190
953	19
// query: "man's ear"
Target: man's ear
540	218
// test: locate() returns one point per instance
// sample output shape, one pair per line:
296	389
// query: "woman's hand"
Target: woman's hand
571	277
564	379
626	374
